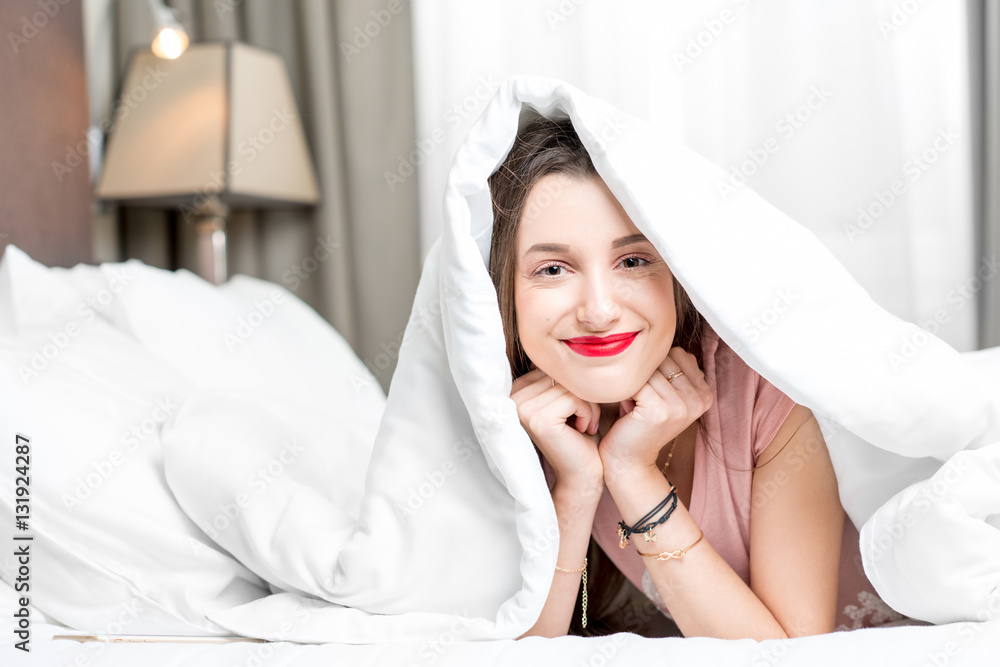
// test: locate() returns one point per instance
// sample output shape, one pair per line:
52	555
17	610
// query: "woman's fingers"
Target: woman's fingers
541	395
567	405
689	388
694	383
588	415
536	383
527	380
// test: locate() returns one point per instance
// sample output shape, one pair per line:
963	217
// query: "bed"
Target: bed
938	645
100	362
101	571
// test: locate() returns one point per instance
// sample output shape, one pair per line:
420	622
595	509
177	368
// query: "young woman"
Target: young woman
629	395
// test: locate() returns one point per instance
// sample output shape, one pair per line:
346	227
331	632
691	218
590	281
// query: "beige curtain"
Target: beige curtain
355	97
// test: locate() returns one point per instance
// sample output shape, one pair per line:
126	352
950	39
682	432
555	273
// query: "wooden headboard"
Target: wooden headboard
45	194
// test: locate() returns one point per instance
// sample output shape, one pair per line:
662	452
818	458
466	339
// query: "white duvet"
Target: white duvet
311	508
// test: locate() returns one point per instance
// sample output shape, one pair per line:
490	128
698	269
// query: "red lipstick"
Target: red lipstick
595	346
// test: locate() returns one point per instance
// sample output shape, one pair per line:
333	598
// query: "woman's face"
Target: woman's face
583	269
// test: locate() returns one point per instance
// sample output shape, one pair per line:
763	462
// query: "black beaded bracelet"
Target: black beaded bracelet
625	531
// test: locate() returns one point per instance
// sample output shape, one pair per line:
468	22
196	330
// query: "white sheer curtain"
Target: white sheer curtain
853	117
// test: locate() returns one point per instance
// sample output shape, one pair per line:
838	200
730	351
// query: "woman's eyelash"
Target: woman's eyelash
642	257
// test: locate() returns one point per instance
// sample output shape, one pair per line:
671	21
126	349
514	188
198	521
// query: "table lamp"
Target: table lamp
215	128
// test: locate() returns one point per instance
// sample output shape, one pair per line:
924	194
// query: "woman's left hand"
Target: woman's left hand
657	413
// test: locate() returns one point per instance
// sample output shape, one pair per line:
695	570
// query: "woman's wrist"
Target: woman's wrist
637	489
581	492
618	472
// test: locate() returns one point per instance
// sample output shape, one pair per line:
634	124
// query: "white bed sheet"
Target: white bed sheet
955	644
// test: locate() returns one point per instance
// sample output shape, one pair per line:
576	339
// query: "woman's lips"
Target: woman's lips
602	349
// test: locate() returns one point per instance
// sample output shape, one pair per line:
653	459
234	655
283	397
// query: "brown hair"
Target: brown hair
546	146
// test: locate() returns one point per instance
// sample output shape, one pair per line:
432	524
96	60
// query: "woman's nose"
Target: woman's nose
600	305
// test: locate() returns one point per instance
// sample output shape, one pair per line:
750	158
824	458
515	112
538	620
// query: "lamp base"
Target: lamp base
210	224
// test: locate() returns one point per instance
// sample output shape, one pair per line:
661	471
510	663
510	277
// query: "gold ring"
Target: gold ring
553	381
670	378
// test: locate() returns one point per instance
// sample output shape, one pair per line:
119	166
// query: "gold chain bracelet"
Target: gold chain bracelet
676	553
584	570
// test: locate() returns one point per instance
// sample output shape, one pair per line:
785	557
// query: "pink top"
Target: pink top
744	418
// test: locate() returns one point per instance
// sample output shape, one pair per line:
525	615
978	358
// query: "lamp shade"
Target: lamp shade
219	121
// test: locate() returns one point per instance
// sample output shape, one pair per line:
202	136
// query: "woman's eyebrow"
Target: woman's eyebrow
558	247
629	240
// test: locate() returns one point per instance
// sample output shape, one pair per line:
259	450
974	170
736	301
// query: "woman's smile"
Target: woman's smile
595	346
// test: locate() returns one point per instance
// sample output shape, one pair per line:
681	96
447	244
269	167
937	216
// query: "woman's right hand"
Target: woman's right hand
544	412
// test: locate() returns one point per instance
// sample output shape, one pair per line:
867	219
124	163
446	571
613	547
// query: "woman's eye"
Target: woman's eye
546	270
631	262
635	258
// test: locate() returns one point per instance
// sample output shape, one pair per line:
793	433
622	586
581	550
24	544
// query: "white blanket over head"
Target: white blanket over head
456	530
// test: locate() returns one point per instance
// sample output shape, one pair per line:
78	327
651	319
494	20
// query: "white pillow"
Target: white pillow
111	546
252	345
276	483
273	373
31	295
247	334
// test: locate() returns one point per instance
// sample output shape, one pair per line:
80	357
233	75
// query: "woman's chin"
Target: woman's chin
608	386
603	397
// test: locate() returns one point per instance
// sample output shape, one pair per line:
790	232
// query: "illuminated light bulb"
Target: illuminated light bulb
170	43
